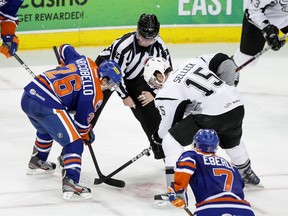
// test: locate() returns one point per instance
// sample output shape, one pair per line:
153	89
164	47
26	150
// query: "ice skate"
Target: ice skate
38	167
248	175
161	200
74	191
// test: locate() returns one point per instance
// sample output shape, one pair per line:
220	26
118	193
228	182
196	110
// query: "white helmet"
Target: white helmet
154	64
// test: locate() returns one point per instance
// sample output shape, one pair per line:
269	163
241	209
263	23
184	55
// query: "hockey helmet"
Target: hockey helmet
155	64
206	140
110	69
148	26
68	54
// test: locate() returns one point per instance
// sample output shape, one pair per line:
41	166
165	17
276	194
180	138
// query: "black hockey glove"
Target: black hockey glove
156	139
270	34
156	144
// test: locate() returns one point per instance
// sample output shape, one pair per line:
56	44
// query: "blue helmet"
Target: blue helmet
206	140
110	69
68	54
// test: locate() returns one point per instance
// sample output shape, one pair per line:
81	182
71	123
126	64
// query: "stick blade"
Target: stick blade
111	182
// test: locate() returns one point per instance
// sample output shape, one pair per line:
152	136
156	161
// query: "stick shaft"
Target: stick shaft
24	65
144	152
57	55
188	211
257	55
109	181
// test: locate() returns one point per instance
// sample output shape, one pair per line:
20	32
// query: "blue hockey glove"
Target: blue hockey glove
91	138
11	43
270	33
178	199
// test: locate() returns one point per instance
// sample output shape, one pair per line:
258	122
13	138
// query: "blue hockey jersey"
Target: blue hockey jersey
74	87
212	179
9	9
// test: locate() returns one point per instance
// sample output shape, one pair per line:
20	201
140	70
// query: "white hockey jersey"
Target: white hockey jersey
275	11
194	82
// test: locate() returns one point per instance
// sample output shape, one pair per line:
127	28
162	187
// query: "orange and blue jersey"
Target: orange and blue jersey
215	182
73	88
9	15
9	9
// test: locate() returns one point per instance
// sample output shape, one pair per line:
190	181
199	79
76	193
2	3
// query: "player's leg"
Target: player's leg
38	163
149	118
252	42
229	129
180	135
61	127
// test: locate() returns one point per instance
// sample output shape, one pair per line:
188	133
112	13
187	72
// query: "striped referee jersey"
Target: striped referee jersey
131	57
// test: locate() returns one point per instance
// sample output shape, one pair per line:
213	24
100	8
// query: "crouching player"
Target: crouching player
49	100
215	182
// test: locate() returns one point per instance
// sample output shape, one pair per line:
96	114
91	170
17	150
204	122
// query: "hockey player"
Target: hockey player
131	51
261	23
9	23
60	103
215	182
193	97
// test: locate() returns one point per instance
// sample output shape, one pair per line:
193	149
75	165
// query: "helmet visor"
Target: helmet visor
144	41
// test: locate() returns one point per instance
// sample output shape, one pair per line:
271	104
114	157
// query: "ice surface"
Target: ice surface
119	138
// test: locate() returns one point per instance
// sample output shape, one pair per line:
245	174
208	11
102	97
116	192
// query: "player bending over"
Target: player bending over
194	97
49	100
215	182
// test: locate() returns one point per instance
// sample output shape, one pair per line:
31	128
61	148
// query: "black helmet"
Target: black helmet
148	26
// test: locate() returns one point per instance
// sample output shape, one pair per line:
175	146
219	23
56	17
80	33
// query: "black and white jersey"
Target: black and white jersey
197	86
276	12
131	57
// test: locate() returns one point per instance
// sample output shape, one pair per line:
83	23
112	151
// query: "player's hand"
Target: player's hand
270	34
11	43
178	199
129	102
5	51
145	98
91	138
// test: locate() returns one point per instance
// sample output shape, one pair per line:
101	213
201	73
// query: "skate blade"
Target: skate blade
39	172
71	196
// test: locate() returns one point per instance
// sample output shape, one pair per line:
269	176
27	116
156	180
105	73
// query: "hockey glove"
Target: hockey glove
178	199
91	138
270	33
156	138
10	44
156	144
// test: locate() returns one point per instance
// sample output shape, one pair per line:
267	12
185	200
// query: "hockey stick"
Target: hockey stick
112	182
188	211
20	61
104	179
24	65
57	55
257	55
109	181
